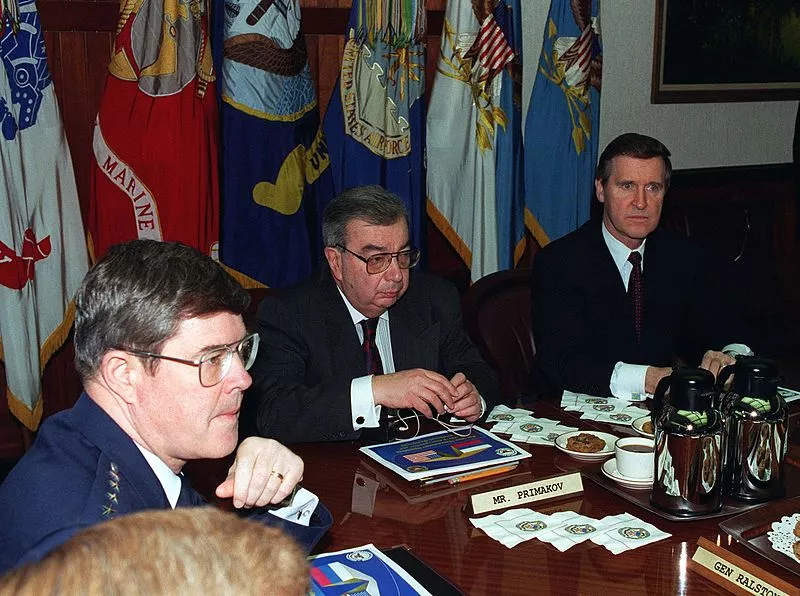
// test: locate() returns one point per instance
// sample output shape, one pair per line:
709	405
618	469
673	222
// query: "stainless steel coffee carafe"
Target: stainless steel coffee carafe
756	426
688	444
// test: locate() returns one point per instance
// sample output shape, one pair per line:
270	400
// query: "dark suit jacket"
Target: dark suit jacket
81	470
310	353
583	321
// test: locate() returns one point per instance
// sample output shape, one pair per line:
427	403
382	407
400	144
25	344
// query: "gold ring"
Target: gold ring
278	474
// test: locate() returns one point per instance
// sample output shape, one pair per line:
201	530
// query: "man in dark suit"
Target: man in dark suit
617	302
367	336
163	354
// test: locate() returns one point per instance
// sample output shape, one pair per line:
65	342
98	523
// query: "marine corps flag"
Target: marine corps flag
155	139
563	121
274	161
375	122
475	194
42	247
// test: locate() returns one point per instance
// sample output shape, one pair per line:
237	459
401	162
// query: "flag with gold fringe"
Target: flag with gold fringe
375	121
42	246
474	137
563	121
155	139
275	172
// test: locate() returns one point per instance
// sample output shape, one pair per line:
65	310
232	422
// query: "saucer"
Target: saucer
610	469
639	423
561	444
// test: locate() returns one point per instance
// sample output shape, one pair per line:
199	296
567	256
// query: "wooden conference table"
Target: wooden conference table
370	505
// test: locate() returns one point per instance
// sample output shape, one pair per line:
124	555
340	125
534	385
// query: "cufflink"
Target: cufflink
360	420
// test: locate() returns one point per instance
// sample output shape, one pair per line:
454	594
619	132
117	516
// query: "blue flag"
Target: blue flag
563	122
375	122
275	174
509	173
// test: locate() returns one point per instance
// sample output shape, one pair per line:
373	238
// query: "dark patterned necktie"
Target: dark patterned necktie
372	357
636	293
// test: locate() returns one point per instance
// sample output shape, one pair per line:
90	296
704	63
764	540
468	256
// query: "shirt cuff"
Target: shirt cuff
365	414
300	509
627	381
737	350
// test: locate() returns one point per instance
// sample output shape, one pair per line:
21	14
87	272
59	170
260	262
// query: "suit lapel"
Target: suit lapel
415	339
345	350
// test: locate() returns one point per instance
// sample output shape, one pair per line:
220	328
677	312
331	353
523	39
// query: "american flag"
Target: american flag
495	52
422	456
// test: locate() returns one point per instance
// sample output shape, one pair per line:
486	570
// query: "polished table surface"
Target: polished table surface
438	531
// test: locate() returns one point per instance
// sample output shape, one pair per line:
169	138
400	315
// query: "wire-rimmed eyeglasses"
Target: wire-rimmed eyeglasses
379	262
214	365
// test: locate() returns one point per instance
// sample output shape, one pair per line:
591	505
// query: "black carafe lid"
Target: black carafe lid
755	377
691	389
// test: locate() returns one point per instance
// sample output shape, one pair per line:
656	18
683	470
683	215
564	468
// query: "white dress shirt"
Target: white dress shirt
365	413
170	481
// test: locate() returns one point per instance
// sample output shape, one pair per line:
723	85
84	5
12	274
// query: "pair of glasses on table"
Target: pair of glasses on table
214	364
406	424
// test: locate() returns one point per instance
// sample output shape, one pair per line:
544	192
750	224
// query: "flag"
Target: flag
563	122
42	246
274	159
475	176
375	122
155	138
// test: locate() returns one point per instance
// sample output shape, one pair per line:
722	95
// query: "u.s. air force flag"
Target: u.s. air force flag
274	161
375	122
475	135
42	245
563	120
155	139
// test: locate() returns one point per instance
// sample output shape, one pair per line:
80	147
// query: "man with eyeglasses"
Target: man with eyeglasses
163	355
344	350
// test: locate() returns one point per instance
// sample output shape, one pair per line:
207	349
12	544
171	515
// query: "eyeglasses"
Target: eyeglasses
379	262
215	364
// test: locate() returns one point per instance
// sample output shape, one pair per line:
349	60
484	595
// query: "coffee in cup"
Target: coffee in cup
635	457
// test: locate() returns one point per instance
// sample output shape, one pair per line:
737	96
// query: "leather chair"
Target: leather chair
250	316
497	316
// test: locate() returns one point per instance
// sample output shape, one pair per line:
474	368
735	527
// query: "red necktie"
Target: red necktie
636	293
372	357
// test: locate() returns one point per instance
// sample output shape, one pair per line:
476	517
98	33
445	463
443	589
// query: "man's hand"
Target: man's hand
420	389
653	375
715	361
468	401
263	472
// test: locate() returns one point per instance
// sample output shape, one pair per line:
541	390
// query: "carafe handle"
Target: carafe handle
659	397
722	378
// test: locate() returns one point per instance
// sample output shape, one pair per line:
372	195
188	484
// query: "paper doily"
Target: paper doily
782	535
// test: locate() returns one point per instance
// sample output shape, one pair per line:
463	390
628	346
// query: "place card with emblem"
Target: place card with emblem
736	574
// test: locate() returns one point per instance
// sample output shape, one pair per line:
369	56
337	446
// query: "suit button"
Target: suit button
360	420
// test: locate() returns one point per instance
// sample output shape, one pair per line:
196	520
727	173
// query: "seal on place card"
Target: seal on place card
736	574
553	487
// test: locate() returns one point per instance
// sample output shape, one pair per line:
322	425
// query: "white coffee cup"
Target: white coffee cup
635	458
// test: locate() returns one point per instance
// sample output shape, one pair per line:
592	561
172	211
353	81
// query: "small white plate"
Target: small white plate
639	423
561	444
610	469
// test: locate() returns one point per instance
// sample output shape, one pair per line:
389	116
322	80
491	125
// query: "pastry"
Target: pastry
585	443
648	427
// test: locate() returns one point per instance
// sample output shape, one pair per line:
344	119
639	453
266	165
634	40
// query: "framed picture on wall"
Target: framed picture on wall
726	50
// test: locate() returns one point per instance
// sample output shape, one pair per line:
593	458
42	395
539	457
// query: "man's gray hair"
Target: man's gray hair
372	204
139	293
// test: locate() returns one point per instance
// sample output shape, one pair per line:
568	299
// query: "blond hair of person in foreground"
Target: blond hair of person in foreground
187	551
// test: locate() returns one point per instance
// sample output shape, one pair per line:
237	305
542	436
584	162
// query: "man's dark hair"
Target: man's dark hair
372	204
635	145
138	294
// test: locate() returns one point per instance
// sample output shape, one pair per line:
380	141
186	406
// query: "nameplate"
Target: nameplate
548	488
736	574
